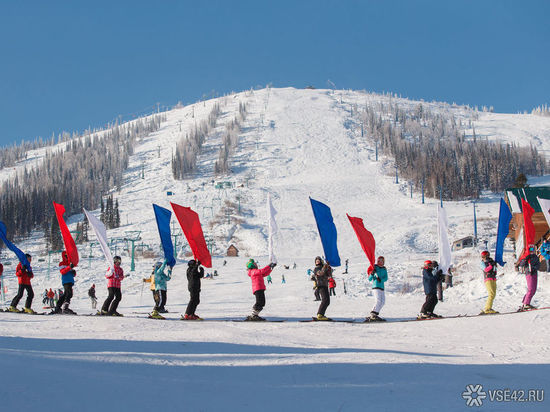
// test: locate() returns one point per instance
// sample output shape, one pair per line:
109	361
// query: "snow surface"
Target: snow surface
294	144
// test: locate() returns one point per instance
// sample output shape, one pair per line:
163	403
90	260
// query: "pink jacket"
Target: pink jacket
257	276
114	279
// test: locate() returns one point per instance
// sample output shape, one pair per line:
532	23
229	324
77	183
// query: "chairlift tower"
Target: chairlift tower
133	236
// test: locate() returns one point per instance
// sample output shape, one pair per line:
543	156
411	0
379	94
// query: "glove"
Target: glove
272	265
72	266
198	262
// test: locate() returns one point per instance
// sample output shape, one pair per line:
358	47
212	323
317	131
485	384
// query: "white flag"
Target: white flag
444	245
271	229
101	234
545	206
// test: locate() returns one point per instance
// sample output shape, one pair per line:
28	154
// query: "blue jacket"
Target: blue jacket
378	277
161	278
545	250
429	279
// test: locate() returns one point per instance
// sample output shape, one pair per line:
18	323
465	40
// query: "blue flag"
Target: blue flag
163	222
20	255
504	218
327	231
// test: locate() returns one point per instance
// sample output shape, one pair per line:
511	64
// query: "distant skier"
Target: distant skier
531	266
545	253
489	268
283	280
45	296
93	298
378	276
346	271
258	287
194	274
51	297
67	280
332	286
114	278
24	276
268	278
429	279
322	273
439	274
294	265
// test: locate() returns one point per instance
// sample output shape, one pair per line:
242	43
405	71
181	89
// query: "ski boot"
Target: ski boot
423	316
30	311
488	312
55	311
12	309
162	310
433	315
374	318
115	313
68	311
255	318
155	315
102	313
323	318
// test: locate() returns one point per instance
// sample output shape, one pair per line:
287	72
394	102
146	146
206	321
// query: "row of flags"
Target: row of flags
190	224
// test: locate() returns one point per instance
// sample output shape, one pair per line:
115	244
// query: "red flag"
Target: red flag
528	225
68	240
191	226
366	239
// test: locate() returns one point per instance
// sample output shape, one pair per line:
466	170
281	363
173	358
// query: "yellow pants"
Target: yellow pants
491	286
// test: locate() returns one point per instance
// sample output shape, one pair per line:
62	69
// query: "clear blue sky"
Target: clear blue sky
65	65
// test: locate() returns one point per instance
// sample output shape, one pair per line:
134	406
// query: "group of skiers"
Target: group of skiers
321	274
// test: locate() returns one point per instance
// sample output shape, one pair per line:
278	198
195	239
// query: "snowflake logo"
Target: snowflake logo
474	395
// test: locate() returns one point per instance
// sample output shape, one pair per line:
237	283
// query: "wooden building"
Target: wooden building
232	251
513	200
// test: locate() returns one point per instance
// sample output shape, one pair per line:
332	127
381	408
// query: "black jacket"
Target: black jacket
194	275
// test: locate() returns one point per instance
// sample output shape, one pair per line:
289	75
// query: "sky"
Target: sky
70	65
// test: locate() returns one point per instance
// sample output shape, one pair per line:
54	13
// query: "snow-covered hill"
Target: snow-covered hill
294	144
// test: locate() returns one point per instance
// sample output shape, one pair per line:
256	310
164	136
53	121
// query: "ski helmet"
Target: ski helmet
251	264
427	263
485	253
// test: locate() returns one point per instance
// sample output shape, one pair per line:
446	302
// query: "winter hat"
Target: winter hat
192	262
251	264
320	259
427	263
484	253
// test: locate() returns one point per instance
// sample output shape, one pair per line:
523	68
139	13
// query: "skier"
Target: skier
322	273
194	274
156	299
332	286
439	273
93	298
531	265
489	268
545	252
45	296
51	296
378	276
283	280
268	278
258	287
315	288
160	287
67	279
114	279
24	276
429	279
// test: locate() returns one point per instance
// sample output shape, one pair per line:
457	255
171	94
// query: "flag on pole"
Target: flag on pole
192	229
327	231
163	217
101	234
271	229
529	227
20	255
444	245
366	239
68	240
504	218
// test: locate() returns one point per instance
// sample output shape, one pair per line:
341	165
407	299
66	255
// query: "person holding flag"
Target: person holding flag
114	279
378	276
67	279
530	264
194	275
24	276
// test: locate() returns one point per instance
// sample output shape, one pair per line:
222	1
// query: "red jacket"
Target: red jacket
257	277
24	276
114	279
331	283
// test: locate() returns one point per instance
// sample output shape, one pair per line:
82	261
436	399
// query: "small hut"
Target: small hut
232	251
465	242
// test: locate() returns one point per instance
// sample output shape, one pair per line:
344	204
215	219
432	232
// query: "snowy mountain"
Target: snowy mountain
294	144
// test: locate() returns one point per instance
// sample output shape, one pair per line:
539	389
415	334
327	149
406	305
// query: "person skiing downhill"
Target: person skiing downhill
531	266
67	280
24	276
258	287
321	274
429	280
114	279
194	274
378	276
93	298
489	268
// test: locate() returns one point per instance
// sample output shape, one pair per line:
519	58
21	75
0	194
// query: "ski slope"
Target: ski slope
294	144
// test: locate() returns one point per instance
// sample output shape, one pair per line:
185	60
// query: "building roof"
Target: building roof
530	194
